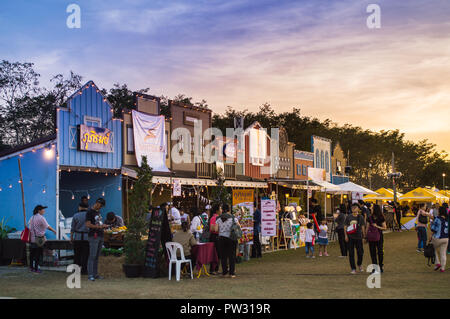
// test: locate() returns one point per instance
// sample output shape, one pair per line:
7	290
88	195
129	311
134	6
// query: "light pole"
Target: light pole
370	176
443	181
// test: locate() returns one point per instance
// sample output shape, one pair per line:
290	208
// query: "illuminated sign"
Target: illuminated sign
95	139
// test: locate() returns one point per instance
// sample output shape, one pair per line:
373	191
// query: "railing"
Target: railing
204	170
230	171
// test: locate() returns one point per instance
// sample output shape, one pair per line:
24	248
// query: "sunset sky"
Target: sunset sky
316	55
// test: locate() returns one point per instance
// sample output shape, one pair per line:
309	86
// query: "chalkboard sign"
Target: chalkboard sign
287	229
159	233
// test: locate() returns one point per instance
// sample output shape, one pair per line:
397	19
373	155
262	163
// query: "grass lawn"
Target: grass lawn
284	274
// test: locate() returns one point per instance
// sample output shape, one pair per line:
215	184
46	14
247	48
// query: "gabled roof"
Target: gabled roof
28	145
85	86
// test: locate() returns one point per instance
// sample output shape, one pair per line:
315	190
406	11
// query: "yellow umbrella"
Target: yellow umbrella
425	195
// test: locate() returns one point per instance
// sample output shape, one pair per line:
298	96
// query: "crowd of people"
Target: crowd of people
213	225
356	224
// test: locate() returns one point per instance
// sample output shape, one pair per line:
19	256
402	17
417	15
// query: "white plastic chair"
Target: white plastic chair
172	248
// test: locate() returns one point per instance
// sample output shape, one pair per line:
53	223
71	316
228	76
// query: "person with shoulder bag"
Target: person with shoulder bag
229	233
38	225
439	239
421	228
377	223
354	231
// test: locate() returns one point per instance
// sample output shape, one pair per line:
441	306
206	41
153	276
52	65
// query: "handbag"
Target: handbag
373	233
236	231
423	219
25	235
352	229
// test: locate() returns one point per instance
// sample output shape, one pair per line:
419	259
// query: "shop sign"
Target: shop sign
268	217
95	139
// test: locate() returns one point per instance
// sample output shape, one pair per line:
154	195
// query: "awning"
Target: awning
385	194
245	184
423	195
327	187
195	181
355	188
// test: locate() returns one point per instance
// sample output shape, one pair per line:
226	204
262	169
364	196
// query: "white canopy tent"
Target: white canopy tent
355	188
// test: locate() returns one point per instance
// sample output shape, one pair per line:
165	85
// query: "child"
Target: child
309	240
323	238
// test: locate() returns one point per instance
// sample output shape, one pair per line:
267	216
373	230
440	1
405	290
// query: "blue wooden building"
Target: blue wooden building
82	158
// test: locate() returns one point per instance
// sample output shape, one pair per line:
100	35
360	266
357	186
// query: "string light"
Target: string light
44	190
10	186
73	196
132	186
119	188
1	189
103	193
88	196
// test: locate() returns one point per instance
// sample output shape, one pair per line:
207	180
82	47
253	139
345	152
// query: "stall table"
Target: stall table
204	254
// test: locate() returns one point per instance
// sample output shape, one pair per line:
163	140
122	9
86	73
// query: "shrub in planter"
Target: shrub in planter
4	231
139	201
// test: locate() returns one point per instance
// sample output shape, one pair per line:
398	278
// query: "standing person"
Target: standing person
256	247
323	238
38	225
227	246
398	215
365	212
309	241
340	229
216	211
377	223
197	223
84	201
206	214
439	228
421	228
79	238
95	237
184	217
445	205
354	231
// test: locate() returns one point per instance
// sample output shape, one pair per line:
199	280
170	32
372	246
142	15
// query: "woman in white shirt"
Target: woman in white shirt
196	224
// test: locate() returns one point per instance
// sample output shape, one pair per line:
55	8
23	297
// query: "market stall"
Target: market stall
423	195
382	194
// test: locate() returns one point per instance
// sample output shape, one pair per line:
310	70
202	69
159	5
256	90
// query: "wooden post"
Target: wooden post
23	195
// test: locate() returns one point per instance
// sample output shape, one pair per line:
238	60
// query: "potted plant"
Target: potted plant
139	201
4	231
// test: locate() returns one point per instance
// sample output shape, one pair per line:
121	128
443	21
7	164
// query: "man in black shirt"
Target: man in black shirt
95	237
355	239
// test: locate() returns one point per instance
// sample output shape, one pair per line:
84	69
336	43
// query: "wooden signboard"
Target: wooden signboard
159	233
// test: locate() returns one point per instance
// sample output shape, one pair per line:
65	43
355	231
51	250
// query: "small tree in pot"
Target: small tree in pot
139	201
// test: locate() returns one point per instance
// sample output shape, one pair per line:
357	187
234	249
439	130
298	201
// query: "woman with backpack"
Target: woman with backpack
377	223
439	228
226	242
421	228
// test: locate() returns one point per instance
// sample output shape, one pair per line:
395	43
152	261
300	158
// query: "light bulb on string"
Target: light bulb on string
88	196
44	190
132	186
103	193
1	189
119	188
73	196
10	186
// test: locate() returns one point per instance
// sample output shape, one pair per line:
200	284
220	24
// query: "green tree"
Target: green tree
139	201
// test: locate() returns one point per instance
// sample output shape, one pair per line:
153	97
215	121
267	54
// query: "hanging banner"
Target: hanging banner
243	210
149	140
268	217
176	188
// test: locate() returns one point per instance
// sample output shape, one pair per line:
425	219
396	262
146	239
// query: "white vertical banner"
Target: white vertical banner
176	187
268	217
150	140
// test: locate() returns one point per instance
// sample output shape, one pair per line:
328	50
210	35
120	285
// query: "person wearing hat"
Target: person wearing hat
38	225
95	237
